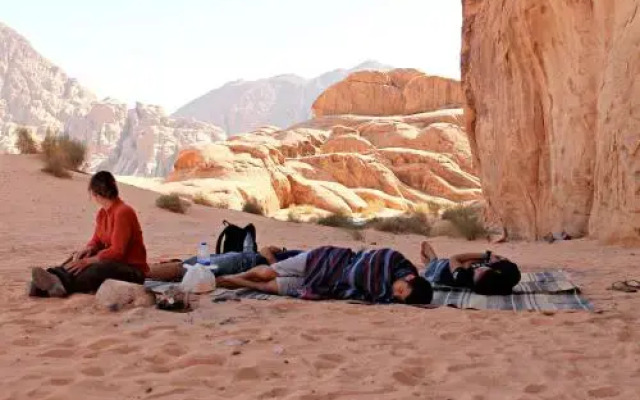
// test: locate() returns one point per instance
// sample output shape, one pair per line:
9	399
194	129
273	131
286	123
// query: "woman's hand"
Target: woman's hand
79	255
76	267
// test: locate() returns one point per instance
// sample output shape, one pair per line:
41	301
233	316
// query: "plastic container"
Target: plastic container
203	255
198	280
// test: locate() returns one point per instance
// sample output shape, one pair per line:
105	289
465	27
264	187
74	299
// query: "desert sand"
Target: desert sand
289	349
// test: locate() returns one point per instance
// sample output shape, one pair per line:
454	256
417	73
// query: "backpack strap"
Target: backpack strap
223	234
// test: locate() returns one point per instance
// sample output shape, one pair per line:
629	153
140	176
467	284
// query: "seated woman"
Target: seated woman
221	264
484	273
116	250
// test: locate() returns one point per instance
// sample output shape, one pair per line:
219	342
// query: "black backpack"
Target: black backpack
232	238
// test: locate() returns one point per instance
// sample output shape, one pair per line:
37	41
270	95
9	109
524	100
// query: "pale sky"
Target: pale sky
169	52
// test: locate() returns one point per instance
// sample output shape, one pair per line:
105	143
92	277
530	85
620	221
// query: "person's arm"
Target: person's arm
269	253
459	260
120	237
93	245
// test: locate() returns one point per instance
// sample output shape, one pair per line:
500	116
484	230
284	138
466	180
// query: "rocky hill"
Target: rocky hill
35	93
243	106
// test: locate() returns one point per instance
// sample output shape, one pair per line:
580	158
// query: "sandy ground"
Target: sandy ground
69	349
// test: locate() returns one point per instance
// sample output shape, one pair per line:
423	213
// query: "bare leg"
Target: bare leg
257	274
166	272
235	281
427	253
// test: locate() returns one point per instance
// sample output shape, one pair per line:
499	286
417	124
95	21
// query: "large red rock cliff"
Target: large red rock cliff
552	110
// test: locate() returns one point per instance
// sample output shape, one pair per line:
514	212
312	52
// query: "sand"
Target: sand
288	349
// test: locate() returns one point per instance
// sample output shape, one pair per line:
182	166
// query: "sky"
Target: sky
169	52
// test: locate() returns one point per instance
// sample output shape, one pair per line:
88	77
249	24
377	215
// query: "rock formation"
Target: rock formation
551	106
142	141
396	92
284	100
35	93
396	161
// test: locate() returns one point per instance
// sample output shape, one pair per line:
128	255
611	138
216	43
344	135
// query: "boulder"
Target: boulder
395	92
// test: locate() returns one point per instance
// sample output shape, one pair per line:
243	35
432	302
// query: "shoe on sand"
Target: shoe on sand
33	291
47	282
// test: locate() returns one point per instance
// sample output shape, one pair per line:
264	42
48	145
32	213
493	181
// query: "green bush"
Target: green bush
467	221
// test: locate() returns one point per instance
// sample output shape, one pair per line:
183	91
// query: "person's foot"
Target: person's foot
47	282
426	252
33	291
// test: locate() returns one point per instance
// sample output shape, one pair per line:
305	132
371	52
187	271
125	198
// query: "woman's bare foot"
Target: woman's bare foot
426	252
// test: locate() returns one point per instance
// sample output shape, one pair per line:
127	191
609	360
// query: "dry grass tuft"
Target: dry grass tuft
467	221
62	154
252	207
172	202
25	142
410	222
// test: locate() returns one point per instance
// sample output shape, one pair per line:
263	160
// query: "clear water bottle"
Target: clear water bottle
204	258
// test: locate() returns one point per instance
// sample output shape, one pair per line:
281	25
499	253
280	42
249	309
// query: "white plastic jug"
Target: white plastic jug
198	279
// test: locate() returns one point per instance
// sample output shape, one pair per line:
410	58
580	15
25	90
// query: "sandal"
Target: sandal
622	286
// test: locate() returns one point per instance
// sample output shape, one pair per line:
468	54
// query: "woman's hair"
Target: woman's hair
103	184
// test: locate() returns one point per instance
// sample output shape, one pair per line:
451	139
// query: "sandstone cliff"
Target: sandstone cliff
552	102
338	164
395	92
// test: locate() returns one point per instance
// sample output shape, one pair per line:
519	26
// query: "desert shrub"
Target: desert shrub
25	143
62	154
428	208
204	200
252	207
410	222
172	202
466	220
337	220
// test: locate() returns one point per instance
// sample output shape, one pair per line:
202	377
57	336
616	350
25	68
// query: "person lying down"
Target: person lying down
221	264
377	276
484	273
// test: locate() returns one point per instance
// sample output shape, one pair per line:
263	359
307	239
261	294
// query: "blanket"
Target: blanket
537	291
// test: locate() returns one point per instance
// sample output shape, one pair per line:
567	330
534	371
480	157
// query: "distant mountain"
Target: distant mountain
242	106
37	94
